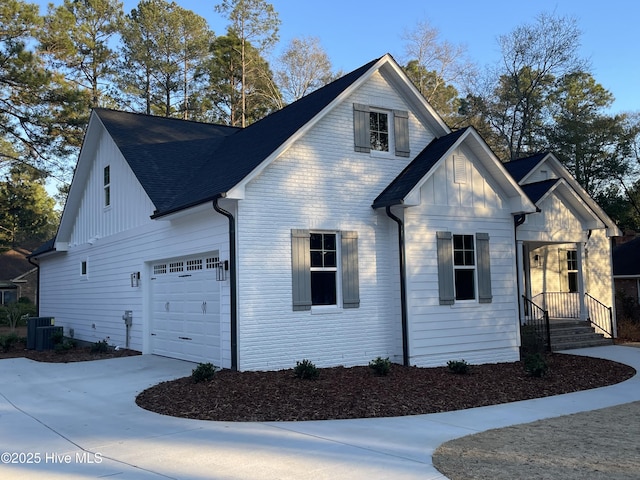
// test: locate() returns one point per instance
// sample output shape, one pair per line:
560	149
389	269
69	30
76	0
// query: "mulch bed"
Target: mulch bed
356	392
77	354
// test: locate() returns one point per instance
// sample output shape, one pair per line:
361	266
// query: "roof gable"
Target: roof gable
404	186
540	191
250	150
523	170
413	173
165	154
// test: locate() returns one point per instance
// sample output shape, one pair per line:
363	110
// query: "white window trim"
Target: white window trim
84	263
391	131
337	308
473	267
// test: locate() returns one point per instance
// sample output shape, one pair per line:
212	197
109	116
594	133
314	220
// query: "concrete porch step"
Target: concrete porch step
568	334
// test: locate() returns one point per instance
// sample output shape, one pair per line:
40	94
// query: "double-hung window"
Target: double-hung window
464	267
572	270
324	269
380	130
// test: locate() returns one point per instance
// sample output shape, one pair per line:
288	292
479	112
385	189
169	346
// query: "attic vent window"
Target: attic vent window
106	181
459	169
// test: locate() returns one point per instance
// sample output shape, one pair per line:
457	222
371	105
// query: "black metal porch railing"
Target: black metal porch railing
567	305
560	304
535	332
600	315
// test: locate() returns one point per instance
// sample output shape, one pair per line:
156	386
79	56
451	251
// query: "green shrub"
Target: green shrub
380	366
16	313
203	372
65	345
100	347
532	341
57	337
461	367
306	370
7	341
535	365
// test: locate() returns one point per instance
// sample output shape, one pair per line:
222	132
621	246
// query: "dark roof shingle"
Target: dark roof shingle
518	169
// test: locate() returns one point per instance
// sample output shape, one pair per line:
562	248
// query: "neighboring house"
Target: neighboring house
18	277
626	275
349	225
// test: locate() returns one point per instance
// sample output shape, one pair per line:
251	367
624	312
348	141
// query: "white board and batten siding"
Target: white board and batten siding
323	185
458	198
118	240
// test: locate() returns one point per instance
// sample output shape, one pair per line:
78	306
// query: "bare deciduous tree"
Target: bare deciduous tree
303	66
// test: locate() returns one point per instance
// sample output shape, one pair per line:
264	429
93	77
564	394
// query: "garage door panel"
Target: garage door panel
186	311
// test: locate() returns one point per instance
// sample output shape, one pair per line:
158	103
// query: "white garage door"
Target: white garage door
185	320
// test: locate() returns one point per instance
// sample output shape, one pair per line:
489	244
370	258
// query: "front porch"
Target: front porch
555	321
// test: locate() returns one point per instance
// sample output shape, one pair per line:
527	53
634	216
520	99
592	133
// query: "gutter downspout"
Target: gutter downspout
37	265
403	286
232	280
517	221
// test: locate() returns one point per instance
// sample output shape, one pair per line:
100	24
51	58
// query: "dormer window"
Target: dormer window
380	130
107	186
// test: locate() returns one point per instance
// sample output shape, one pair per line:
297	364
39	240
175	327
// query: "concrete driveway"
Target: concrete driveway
80	420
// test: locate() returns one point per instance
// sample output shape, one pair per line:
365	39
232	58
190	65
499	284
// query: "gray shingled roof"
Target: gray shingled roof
397	190
182	164
535	191
518	169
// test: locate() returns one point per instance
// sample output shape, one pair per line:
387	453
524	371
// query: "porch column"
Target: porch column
520	277
581	291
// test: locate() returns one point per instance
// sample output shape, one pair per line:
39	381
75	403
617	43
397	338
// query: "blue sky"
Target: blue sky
354	32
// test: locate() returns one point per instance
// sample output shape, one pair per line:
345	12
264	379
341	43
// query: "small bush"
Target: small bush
100	347
306	370
7	341
65	345
628	330
380	366
57	337
461	367
203	372
535	365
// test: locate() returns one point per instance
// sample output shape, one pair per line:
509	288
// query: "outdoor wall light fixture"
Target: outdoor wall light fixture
135	279
221	272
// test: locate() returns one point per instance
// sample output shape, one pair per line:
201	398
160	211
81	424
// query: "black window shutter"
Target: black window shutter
445	268
300	269
350	280
362	138
401	132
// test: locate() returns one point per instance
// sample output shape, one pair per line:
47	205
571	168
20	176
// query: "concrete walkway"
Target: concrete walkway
79	420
